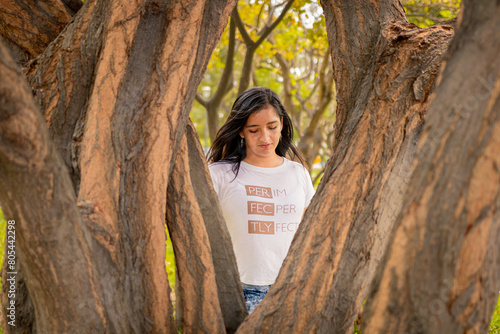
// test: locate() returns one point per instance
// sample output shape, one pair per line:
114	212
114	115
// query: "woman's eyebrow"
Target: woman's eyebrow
255	125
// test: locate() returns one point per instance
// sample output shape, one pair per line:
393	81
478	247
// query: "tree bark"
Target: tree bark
36	192
29	26
442	270
116	89
202	245
63	78
24	311
384	68
196	275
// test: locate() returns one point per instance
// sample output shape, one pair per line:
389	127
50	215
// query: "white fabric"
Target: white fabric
262	208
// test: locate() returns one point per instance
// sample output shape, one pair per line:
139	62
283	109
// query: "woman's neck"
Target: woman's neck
271	161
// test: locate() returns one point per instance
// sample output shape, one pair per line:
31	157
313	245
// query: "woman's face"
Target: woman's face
262	133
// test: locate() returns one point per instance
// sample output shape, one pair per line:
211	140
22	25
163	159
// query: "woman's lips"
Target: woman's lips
265	146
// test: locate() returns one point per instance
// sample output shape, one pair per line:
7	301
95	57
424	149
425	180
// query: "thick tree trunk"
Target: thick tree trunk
29	26
24	311
36	193
384	70
202	245
442	271
116	88
63	77
196	274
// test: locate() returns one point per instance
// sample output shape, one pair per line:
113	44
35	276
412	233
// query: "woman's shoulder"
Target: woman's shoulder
222	169
220	166
299	169
295	165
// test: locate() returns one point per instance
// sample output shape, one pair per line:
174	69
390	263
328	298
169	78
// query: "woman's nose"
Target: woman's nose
265	135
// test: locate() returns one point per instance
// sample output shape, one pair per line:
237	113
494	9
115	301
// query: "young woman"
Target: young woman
263	195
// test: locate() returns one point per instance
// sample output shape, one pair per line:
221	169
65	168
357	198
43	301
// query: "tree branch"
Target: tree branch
355	30
228	68
241	27
201	100
270	28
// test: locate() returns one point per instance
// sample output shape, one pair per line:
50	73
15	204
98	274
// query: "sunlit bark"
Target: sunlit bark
442	271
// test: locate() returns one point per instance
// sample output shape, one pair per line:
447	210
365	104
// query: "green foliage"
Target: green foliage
425	13
170	265
495	320
300	39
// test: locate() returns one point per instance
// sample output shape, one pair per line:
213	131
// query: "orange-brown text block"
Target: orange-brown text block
259	191
260	227
260	208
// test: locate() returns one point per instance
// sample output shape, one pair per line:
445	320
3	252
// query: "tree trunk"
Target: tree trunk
198	290
442	270
36	192
116	89
29	26
384	68
64	76
202	245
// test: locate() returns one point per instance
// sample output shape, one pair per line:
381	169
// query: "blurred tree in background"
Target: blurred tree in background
287	45
426	13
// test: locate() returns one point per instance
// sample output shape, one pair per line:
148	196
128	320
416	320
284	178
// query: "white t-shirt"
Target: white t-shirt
262	208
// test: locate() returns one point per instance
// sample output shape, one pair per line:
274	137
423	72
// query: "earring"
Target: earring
242	142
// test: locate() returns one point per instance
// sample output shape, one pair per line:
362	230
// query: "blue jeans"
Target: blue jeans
254	294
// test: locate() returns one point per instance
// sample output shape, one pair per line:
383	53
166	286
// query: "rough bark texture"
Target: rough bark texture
384	70
231	299
29	26
198	231
116	88
40	17
25	312
48	225
442	271
198	291
64	100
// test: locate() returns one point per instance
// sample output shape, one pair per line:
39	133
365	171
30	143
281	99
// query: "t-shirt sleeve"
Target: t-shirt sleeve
215	174
309	189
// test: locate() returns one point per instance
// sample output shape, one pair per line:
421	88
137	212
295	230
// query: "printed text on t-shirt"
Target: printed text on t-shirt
269	209
264	192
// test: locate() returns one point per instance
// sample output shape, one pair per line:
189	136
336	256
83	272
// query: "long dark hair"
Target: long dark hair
228	146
